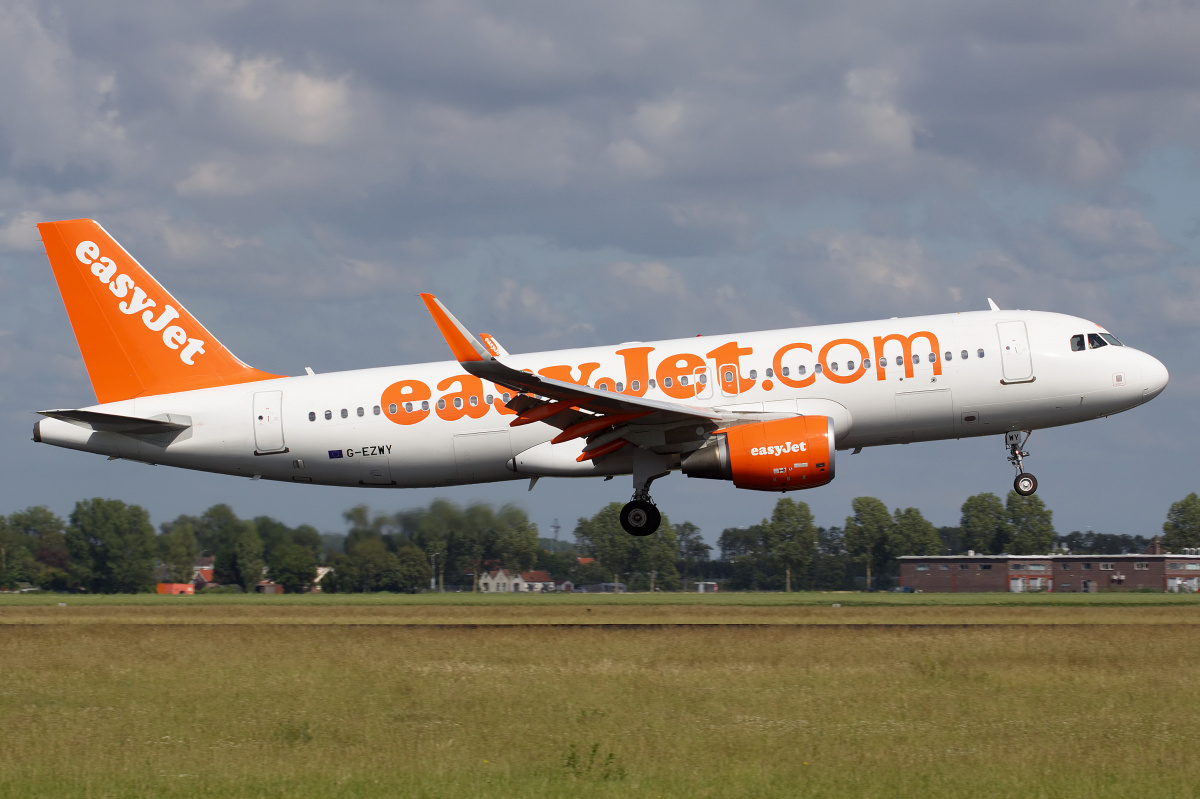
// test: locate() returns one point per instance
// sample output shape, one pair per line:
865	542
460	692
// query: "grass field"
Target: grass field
340	697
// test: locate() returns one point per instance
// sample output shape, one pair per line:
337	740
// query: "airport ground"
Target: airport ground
635	695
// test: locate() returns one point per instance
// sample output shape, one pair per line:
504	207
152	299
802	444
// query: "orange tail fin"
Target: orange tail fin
136	339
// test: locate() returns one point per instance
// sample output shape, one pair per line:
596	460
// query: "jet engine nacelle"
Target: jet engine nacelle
776	455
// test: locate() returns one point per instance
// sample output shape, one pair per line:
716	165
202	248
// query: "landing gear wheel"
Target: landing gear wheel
640	517
1025	484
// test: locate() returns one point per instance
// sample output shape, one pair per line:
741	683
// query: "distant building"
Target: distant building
539	582
202	572
706	587
268	587
502	582
1052	573
175	588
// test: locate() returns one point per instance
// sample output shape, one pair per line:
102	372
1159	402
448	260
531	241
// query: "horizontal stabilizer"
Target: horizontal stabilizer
113	423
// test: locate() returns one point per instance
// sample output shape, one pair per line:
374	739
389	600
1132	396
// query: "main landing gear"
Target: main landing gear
1025	484
640	516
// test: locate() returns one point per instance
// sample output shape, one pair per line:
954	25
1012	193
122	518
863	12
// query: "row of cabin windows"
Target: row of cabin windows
345	413
409	407
1094	341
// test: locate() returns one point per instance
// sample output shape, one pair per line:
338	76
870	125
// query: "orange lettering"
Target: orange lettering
778	364
906	343
397	394
674	367
563	373
637	370
727	357
834	376
455	406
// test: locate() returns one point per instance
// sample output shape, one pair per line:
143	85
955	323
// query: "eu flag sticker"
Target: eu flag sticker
335	453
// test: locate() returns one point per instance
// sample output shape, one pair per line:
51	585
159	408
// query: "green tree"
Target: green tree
1031	524
412	569
112	546
344	577
913	534
867	533
177	550
248	557
654	555
1182	527
790	537
691	551
294	567
985	524
603	538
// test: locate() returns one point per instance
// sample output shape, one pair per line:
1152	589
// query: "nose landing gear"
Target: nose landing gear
1025	484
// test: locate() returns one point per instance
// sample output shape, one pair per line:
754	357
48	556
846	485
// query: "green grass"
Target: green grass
116	710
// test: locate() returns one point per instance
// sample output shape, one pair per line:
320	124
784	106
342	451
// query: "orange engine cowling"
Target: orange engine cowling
777	455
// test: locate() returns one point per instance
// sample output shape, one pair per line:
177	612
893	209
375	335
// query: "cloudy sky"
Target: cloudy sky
586	173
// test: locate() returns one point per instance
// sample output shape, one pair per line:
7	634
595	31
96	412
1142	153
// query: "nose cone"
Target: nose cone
1154	378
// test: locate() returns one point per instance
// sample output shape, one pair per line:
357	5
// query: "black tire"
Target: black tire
1025	484
640	517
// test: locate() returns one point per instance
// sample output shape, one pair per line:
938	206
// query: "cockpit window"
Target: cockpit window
1111	339
1077	343
1095	342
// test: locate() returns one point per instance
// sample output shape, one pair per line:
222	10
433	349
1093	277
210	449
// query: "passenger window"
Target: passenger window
949	355
667	382
728	376
753	374
345	413
786	371
636	385
964	354
683	381
377	410
866	363
441	405
817	369
1077	343
361	412
770	373
458	403
916	358
621	386
312	417
652	383
505	396
801	369
489	399
979	353
425	405
849	366
328	415
1095	342
933	357
883	361
474	401
833	366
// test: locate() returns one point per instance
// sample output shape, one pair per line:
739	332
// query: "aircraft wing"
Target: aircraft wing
604	417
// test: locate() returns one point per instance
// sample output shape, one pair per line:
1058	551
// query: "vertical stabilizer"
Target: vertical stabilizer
136	339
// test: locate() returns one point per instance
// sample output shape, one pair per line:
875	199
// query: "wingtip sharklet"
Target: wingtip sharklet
462	342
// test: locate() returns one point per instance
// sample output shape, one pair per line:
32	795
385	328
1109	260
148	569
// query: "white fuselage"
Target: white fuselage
340	429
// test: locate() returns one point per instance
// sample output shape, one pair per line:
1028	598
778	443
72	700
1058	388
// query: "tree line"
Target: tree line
108	546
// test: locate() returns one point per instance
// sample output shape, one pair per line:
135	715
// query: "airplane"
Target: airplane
767	410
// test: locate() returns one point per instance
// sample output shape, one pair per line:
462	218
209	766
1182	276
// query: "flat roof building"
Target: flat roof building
1052	573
